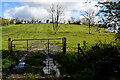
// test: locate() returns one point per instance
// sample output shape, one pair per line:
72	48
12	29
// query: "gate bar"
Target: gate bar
34	39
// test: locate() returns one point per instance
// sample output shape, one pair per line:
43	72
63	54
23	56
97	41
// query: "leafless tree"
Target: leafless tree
56	12
89	15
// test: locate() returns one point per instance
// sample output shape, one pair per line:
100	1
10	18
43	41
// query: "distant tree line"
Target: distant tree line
73	21
6	22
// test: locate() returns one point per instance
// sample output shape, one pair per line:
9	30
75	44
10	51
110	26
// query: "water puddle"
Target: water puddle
22	63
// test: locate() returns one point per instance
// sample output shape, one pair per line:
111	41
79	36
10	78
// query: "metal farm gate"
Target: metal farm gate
57	45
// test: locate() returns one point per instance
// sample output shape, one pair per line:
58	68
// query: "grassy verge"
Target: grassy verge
8	60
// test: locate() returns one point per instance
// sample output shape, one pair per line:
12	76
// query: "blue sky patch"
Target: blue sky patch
7	5
74	10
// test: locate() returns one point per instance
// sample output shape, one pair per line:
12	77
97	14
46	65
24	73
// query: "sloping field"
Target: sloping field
74	33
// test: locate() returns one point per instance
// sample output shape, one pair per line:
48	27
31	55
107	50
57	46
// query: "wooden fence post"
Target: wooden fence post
64	45
10	46
78	52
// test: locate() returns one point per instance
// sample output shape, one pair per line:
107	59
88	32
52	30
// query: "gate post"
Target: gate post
64	45
10	46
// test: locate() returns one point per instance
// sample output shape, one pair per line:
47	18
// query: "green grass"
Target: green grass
8	61
74	33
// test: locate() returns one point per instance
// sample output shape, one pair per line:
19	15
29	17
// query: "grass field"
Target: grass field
74	33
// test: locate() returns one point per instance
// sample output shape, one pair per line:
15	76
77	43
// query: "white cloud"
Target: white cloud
37	9
26	12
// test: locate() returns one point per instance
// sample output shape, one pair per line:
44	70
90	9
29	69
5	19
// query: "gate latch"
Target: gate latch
13	46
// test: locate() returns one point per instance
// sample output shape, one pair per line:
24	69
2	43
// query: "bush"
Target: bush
18	22
104	61
5	22
85	74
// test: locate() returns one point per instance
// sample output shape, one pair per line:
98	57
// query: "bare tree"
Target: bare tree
55	11
89	15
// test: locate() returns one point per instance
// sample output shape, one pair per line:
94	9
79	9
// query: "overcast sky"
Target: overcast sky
38	9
